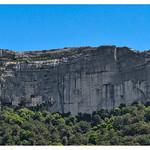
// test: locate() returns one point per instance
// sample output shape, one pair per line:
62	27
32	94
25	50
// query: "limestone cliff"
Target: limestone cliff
74	80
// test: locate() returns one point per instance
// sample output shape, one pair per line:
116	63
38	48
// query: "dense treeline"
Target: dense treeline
125	125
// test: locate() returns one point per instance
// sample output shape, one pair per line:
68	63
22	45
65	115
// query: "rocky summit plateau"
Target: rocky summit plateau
82	79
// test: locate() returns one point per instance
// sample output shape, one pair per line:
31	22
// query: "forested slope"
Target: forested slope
125	125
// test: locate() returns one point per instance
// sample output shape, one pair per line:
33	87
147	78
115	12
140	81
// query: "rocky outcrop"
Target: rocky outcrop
74	80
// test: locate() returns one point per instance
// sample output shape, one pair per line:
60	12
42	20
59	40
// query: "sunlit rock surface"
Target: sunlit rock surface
74	80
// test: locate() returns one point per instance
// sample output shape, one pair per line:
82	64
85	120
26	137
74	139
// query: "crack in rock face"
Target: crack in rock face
82	79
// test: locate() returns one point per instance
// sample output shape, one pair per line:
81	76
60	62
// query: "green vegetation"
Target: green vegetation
125	125
30	59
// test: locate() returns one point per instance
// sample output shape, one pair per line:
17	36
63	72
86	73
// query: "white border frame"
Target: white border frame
74	2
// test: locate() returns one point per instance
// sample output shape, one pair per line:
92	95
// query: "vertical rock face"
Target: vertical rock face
74	80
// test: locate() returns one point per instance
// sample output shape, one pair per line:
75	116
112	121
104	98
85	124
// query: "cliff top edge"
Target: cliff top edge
6	54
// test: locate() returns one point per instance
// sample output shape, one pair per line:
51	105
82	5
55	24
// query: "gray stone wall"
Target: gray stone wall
77	79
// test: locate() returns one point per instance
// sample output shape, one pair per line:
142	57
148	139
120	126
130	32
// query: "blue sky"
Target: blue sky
36	27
